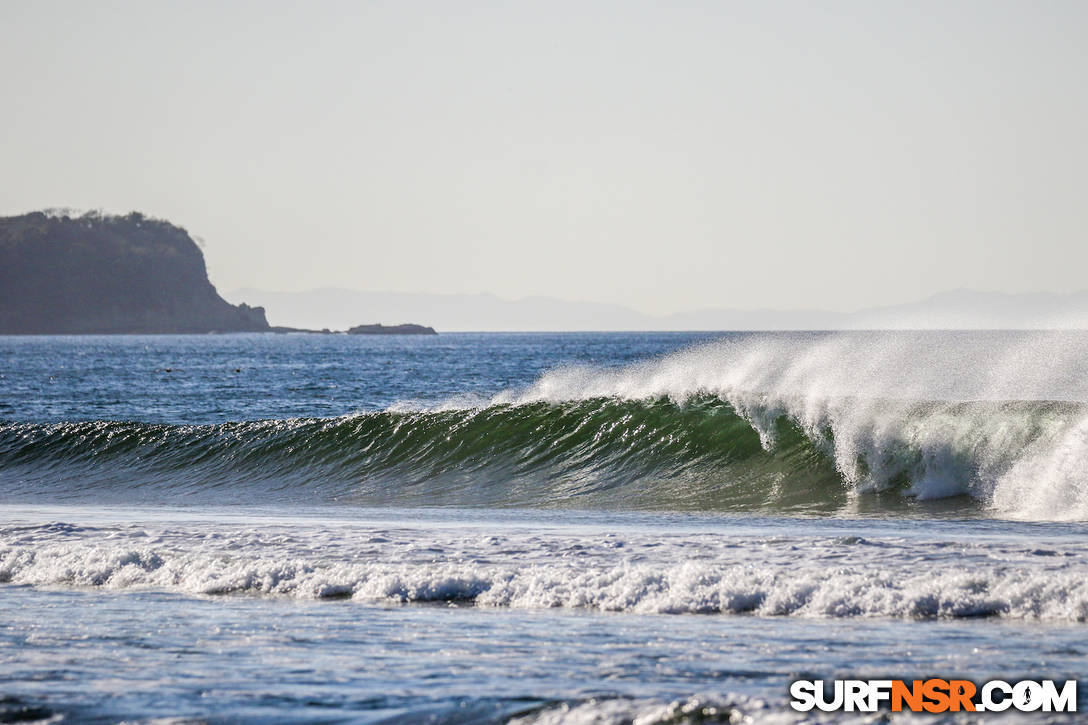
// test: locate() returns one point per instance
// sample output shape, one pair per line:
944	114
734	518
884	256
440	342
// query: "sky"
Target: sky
663	156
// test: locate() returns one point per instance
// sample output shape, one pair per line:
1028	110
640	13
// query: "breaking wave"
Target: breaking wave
785	424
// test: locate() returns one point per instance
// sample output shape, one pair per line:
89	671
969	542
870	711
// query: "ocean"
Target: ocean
535	528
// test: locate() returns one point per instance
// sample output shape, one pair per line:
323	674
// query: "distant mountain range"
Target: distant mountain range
339	309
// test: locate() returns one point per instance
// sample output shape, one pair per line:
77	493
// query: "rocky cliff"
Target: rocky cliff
94	273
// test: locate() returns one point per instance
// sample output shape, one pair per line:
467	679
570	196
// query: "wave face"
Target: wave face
796	424
600	452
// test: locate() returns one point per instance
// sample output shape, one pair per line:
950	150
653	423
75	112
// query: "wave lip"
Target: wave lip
999	418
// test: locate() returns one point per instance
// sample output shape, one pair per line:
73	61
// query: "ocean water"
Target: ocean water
534	528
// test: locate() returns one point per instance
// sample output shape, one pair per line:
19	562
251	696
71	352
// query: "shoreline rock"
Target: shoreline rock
403	329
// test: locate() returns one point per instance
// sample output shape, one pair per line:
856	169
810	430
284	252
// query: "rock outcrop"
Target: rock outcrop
94	273
379	329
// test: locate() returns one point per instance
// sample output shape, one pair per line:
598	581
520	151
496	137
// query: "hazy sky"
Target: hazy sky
666	156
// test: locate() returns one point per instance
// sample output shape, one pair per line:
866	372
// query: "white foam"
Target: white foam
889	406
722	708
805	576
617	711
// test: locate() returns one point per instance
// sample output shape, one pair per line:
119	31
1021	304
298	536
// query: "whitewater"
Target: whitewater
588	528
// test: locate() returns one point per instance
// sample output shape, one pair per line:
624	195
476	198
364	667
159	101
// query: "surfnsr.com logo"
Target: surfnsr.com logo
934	695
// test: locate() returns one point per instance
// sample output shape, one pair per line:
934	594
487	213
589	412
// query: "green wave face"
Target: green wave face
603	452
700	454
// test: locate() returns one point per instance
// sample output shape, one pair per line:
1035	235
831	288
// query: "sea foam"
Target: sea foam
803	576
